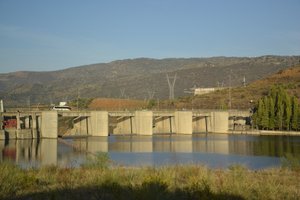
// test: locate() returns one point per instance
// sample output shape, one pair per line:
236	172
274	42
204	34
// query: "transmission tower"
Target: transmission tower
122	90
171	82
244	81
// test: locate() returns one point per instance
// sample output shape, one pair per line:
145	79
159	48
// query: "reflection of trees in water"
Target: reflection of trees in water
274	146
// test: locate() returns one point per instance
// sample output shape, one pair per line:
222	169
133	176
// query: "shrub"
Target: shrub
99	160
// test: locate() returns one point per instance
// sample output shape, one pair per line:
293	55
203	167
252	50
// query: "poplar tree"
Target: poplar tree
265	113
279	116
295	114
287	111
273	92
259	115
278	111
279	108
271	113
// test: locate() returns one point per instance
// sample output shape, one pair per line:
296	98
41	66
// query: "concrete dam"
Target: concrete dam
45	124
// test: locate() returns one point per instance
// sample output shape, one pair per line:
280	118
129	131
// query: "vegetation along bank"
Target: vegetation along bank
98	180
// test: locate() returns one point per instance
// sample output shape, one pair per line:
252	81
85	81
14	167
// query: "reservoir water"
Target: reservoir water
213	150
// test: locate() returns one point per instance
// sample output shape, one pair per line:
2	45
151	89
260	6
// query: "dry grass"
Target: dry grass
173	182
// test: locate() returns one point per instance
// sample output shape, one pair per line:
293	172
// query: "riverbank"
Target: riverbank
100	181
265	132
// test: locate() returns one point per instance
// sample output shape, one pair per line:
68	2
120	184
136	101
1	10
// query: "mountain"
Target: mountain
136	78
240	97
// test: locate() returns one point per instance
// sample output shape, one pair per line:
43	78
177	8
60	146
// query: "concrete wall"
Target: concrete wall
163	124
34	126
218	122
49	124
183	122
2	132
199	125
96	123
24	134
80	126
99	123
124	125
144	122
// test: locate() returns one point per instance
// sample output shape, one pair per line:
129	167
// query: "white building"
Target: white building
201	91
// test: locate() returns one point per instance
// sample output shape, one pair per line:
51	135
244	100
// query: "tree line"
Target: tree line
277	111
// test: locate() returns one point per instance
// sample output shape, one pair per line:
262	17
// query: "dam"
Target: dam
46	124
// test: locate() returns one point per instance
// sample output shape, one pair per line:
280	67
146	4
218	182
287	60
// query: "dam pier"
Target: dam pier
46	124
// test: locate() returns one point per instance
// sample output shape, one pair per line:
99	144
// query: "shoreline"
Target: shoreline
265	132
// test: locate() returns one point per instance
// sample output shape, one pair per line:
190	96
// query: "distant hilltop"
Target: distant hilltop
141	78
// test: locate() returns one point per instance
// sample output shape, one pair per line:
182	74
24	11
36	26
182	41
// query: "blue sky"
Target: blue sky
46	35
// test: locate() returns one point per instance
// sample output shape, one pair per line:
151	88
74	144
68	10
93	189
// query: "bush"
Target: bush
14	180
99	160
291	162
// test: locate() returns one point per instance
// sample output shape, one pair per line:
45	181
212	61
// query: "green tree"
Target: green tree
278	110
81	103
279	116
271	113
259	114
151	103
265	113
287	111
295	113
273	92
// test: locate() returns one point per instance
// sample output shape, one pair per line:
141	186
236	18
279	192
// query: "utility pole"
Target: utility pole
171	85
1	106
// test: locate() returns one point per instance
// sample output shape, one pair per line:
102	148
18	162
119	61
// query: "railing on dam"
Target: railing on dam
46	124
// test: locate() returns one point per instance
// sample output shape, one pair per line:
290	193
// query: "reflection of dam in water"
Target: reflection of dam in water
166	143
178	148
37	152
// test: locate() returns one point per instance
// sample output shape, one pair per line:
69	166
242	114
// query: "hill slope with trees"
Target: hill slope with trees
242	97
141	78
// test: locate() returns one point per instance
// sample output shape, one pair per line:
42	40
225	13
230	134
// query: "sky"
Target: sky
48	35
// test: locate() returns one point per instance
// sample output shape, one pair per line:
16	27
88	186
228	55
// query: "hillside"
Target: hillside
241	96
136	78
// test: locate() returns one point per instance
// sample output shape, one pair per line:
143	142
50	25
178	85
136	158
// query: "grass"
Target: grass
172	182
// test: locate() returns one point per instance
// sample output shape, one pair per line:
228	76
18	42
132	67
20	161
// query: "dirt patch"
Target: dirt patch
117	104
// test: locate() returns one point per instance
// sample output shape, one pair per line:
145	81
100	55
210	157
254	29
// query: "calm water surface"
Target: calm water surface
214	150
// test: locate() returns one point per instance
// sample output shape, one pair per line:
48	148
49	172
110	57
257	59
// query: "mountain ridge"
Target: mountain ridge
136	78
